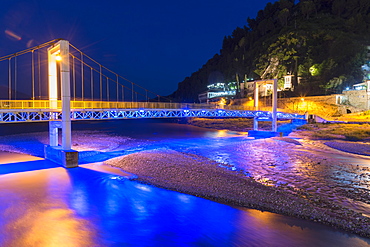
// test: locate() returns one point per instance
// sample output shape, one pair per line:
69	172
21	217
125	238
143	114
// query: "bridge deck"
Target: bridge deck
40	115
79	104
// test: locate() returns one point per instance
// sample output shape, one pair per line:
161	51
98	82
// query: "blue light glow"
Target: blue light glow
98	208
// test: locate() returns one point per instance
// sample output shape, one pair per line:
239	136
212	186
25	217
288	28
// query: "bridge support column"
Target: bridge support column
255	123
58	59
53	133
66	95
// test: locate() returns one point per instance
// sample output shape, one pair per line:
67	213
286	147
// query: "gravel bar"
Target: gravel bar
202	177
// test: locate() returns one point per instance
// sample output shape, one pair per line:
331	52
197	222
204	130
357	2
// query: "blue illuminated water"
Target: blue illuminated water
42	204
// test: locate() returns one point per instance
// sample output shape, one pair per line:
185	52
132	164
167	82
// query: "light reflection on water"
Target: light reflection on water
86	207
7	157
279	163
34	212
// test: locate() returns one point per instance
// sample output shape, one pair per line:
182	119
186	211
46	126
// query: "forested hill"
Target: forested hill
322	41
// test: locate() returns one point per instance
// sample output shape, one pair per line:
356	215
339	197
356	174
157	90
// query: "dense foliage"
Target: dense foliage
321	41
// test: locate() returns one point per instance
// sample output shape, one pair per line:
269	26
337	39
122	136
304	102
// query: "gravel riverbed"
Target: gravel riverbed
200	176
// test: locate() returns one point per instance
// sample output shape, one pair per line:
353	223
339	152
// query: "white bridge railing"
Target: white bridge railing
75	104
41	115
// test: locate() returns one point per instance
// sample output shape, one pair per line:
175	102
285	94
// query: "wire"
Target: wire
92	83
82	77
33	76
74	78
10	79
15	77
39	67
107	88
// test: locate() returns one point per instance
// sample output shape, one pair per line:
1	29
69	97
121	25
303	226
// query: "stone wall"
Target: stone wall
357	98
324	106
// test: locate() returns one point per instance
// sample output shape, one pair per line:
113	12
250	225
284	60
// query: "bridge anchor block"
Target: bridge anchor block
67	158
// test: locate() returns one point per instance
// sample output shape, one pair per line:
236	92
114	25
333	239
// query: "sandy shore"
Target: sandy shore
203	177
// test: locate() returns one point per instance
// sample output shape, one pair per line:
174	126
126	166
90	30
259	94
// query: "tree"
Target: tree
307	8
286	4
283	17
252	23
339	7
334	84
281	56
265	26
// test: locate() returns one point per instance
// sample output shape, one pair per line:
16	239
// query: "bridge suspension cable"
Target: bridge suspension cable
10	77
33	75
47	44
103	67
107	79
39	72
82	80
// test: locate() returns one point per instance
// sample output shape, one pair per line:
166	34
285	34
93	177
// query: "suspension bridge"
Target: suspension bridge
58	83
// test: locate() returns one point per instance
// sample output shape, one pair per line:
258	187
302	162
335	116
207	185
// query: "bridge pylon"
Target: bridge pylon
273	118
58	70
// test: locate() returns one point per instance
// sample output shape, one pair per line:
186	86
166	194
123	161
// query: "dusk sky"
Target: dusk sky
155	44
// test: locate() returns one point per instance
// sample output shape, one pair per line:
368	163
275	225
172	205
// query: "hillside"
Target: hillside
324	42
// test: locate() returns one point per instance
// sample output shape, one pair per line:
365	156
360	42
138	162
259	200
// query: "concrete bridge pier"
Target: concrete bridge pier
258	133
58	61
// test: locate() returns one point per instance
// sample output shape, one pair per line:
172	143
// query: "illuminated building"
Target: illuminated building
216	91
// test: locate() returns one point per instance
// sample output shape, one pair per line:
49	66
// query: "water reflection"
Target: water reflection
7	157
95	205
86	207
34	212
315	170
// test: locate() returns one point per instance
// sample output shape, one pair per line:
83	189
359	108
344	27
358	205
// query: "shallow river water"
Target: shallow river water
42	204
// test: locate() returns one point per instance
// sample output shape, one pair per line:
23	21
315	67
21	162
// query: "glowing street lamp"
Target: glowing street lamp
222	102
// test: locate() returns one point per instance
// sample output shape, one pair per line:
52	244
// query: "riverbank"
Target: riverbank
289	176
203	177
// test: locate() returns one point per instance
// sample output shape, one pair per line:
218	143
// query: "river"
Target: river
43	204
